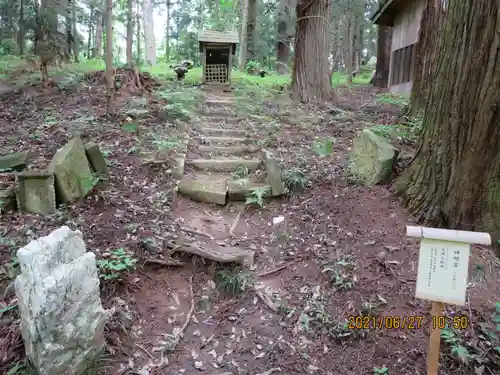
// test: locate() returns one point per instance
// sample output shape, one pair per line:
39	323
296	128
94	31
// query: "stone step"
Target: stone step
231	150
223	164
208	189
221	117
239	190
226	140
226	132
219	188
219	101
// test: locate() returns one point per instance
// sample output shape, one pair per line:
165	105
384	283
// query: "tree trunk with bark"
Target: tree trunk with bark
76	35
431	26
138	33
20	34
110	79
350	44
384	41
99	29
90	33
167	34
149	35
310	77
243	37
454	179
283	44
130	33
251	31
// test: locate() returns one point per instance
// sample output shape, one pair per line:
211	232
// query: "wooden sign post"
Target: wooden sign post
443	265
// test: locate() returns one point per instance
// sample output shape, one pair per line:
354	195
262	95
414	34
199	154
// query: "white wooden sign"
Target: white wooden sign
444	262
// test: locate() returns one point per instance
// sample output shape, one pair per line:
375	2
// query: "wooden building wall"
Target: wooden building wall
404	35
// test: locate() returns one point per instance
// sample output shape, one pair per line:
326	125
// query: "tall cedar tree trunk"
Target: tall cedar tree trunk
243	37
350	43
310	77
149	35
138	33
20	35
167	34
431	26
384	40
110	79
177	22
69	39
130	33
76	36
283	45
91	32
454	179
251	24
98	33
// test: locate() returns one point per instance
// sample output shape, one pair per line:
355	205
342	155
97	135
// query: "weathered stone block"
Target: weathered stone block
273	170
203	190
72	172
371	159
35	192
224	165
239	190
16	161
96	160
230	150
62	318
177	168
7	199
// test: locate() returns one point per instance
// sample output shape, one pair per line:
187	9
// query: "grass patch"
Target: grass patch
393	98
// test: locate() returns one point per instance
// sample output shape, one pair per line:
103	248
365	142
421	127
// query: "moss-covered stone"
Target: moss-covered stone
96	160
7	199
371	159
204	190
14	162
239	190
73	176
224	165
273	170
35	192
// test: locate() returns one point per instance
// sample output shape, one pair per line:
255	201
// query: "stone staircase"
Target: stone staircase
224	161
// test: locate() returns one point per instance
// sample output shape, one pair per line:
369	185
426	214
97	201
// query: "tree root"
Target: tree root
128	80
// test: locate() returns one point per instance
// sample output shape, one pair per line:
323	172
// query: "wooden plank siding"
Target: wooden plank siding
405	34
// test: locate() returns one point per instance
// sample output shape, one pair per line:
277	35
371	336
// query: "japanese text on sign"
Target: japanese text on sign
442	271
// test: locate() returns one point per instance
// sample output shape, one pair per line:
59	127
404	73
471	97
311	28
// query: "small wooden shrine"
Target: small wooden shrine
217	50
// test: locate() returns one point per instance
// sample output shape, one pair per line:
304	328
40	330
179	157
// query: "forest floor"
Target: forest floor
339	251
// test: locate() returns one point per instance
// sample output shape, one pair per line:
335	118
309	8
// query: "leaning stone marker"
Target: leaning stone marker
371	159
96	159
16	161
274	174
62	319
7	198
72	172
35	192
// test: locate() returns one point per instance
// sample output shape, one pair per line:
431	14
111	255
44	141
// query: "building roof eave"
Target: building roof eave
384	16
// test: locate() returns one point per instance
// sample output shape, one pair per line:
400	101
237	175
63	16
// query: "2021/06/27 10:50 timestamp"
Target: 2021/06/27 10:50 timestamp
406	322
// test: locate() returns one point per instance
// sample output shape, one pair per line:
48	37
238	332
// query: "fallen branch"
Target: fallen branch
194	231
174	338
167	262
282	267
191	310
266	300
217	253
209	340
235	223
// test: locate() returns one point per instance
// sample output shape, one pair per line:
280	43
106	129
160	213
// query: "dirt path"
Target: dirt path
334	251
338	251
